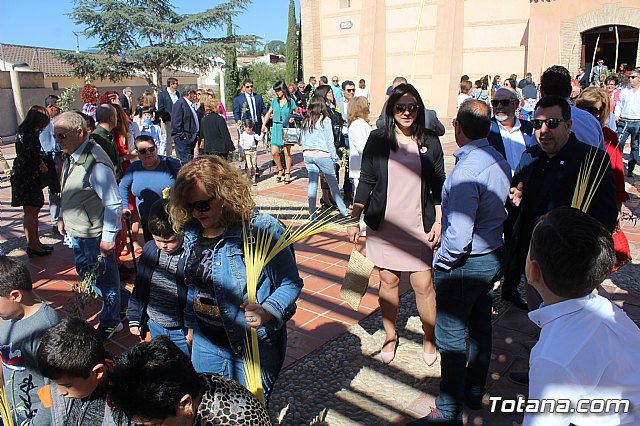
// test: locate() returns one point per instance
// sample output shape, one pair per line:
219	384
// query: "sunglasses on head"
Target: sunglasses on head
503	102
63	135
551	123
202	206
401	108
143	151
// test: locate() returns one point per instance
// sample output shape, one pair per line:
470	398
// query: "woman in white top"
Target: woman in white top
364	92
359	130
465	92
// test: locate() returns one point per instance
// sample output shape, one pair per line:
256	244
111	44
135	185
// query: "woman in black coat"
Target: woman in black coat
214	132
27	177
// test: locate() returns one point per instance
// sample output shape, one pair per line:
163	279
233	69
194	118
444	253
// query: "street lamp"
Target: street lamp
15	88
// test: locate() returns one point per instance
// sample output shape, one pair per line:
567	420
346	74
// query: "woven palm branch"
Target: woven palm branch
587	184
5	408
259	249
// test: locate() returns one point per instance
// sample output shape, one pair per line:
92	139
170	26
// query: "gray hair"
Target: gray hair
73	121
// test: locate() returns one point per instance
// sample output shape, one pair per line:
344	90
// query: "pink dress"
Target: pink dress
400	243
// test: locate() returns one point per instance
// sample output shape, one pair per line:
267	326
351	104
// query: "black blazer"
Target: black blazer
165	104
126	105
214	131
603	207
374	178
183	122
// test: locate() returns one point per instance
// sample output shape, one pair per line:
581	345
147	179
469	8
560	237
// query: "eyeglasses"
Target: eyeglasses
350	90
503	102
62	136
633	76
591	110
143	151
335	81
401	108
202	206
249	87
551	123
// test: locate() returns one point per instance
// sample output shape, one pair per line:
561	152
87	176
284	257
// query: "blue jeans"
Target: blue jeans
184	149
463	312
314	166
211	358
626	129
107	283
177	336
526	115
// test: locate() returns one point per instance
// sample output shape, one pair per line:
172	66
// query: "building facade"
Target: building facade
432	46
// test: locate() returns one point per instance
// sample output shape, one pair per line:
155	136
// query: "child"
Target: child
153	130
158	300
25	318
248	146
588	348
72	355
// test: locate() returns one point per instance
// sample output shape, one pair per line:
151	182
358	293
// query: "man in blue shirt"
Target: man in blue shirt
467	264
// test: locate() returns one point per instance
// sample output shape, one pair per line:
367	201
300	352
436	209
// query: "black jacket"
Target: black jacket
214	131
374	178
165	104
137	309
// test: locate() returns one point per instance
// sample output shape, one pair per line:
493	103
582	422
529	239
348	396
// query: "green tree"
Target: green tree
264	76
146	37
232	77
291	53
275	46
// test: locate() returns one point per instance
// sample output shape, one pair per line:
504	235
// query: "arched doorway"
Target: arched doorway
606	49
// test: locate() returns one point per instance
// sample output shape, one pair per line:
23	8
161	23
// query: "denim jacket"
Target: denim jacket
320	138
278	287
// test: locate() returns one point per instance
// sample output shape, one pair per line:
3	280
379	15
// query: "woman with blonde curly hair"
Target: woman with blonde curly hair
211	204
89	96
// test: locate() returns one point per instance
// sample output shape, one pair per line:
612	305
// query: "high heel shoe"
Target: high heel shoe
387	357
279	175
288	178
428	358
32	253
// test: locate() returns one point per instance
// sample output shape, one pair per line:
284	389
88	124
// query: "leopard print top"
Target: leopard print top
227	402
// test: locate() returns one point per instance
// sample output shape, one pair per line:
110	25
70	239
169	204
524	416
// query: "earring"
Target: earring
190	413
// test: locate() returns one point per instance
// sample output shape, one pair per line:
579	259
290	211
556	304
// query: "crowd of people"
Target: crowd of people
536	191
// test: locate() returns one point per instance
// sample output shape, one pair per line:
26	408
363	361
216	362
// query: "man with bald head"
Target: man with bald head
91	213
467	263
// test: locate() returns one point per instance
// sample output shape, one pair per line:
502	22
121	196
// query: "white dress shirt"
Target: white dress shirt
588	349
514	144
103	182
251	103
195	115
174	96
628	105
47	140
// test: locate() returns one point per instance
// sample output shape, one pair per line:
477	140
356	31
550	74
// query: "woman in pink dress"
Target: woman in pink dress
400	186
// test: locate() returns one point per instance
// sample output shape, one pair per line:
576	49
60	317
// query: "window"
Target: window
345	3
55	86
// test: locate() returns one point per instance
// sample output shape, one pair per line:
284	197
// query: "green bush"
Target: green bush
264	76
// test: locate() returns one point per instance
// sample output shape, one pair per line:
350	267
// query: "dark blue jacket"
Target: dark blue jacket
261	110
137	310
495	139
165	104
183	121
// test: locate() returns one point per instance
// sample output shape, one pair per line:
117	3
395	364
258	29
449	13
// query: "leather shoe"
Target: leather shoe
515	300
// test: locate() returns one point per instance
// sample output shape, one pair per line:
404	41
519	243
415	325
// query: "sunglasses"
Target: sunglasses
62	136
249	87
143	151
551	123
350	90
401	108
335	81
591	110
503	102
202	206
633	76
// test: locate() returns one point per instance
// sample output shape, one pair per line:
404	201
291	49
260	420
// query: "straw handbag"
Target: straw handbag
356	280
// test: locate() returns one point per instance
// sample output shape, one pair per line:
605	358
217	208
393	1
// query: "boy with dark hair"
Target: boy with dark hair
588	347
25	318
159	298
73	357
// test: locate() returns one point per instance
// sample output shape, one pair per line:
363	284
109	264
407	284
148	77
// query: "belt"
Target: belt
631	119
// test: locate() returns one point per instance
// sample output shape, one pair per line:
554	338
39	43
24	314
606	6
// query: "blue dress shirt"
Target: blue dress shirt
473	204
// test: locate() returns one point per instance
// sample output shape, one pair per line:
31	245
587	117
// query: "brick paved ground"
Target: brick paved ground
333	374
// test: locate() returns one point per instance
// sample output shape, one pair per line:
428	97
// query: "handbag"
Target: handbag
621	246
356	280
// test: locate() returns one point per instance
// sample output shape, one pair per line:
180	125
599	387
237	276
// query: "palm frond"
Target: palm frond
588	183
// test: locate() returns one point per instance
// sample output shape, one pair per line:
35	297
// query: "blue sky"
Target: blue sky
45	23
